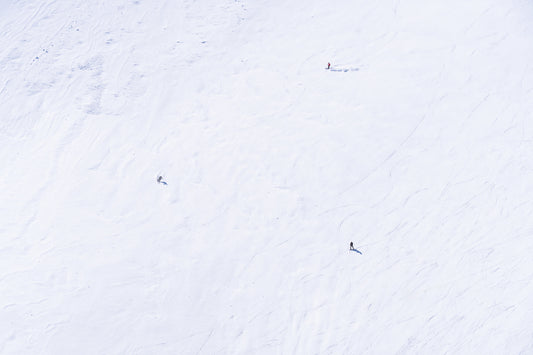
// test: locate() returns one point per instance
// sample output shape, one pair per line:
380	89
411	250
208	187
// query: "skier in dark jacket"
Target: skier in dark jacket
351	246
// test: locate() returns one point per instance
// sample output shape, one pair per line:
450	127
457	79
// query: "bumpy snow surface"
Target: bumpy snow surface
417	145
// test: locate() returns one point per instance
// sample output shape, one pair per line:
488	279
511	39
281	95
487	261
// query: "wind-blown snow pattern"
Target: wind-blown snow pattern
416	145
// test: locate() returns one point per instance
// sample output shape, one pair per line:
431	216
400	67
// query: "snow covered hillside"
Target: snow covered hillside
417	145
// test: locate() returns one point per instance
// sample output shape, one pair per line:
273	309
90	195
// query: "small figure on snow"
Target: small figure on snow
329	65
352	248
161	181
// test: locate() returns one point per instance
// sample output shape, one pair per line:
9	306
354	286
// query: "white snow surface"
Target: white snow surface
417	146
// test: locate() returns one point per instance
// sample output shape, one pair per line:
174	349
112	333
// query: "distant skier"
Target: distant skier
329	65
161	181
352	248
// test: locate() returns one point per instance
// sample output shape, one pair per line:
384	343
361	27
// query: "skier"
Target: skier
329	65
161	181
351	246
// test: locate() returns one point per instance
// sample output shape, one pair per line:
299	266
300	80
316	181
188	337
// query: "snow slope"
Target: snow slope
416	146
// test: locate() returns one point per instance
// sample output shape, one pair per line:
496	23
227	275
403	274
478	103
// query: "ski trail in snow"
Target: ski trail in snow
205	342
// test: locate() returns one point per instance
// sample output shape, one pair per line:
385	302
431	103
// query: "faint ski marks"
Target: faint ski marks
94	64
477	255
427	269
384	161
11	58
388	157
412	195
52	326
398	227
409	346
94	67
135	86
474	109
476	20
37	87
205	342
366	176
345	219
334	209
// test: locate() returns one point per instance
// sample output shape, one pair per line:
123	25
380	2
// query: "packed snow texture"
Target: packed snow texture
416	145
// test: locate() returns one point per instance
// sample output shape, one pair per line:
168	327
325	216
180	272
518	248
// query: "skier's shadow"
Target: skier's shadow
343	69
357	251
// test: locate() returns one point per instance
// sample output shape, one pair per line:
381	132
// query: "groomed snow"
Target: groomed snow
417	146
